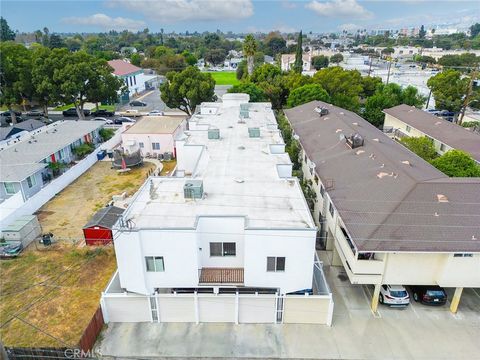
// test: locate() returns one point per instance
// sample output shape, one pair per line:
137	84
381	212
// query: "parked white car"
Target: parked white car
155	113
394	295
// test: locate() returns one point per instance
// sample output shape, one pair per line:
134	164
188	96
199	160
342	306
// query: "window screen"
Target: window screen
270	263
229	249
216	249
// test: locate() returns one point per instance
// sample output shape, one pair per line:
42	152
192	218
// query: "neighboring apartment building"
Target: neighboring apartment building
405	51
404	120
225	239
388	216
288	60
23	163
154	135
132	75
18	130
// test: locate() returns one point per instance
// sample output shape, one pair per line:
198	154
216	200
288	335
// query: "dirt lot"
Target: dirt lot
70	210
48	296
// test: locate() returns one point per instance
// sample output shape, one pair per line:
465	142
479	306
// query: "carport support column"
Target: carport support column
456	299
195	304
336	260
376	294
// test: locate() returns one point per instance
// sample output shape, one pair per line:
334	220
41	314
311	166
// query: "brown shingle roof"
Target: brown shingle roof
386	195
448	133
221	275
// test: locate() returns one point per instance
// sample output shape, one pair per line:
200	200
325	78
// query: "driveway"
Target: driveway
417	332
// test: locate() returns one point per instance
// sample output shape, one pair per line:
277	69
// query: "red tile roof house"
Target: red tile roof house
132	75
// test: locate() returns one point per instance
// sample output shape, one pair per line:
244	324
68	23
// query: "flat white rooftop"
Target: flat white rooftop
240	176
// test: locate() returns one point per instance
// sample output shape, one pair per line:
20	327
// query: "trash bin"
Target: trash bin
110	154
101	154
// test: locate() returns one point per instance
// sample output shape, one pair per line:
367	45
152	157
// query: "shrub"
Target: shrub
106	134
83	149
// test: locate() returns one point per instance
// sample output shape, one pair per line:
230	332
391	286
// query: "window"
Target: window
331	210
462	255
408	128
155	146
442	147
155	263
141	145
153	308
31	181
322	190
135	80
275	263
223	249
126	81
9	188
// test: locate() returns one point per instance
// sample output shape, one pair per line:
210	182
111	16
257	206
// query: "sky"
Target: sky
240	16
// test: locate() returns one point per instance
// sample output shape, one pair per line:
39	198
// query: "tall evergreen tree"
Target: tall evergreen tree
6	33
298	65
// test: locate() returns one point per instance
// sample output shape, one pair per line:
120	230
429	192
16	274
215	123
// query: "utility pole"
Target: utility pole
389	67
370	67
468	96
428	99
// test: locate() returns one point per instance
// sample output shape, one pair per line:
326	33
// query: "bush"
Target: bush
106	134
307	93
457	163
256	94
422	146
83	150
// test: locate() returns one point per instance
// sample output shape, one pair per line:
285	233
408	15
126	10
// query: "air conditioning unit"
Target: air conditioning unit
254	132
193	189
214	134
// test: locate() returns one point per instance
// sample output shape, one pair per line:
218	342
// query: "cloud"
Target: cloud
339	8
106	22
350	27
171	11
288	4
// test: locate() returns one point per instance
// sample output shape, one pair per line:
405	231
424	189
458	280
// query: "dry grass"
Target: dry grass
168	167
70	210
56	290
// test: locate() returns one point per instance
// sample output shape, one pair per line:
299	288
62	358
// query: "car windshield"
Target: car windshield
398	293
435	293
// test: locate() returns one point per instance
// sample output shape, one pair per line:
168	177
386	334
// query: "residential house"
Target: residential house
23	163
287	61
404	120
388	216
232	63
18	130
154	135
131	74
405	51
227	238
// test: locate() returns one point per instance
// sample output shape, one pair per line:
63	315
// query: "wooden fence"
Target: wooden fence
91	331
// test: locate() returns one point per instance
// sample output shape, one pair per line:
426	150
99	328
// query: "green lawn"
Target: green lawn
225	77
68	106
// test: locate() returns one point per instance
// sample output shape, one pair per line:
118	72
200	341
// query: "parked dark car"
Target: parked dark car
35	114
137	103
11	249
121	120
431	295
73	112
7	113
103	113
7	117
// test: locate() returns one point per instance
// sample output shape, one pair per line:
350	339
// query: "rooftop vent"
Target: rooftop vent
254	132
355	141
214	134
193	189
442	198
321	110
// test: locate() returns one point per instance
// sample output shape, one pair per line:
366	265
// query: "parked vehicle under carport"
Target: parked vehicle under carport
429	295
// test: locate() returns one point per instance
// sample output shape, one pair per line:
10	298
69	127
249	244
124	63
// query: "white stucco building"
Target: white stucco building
225	239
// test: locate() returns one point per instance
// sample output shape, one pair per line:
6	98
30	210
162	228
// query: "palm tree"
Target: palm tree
249	49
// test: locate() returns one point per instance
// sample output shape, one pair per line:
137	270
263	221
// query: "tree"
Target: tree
136	59
336	58
388	51
307	93
422	146
319	62
275	44
6	34
457	163
474	30
190	59
215	56
56	42
187	89
422	32
256	94
249	49
266	72
370	85
241	71
106	87
449	89
387	96
343	86
298	64
15	75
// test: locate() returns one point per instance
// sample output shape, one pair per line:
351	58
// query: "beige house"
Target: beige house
388	216
404	120
154	135
288	60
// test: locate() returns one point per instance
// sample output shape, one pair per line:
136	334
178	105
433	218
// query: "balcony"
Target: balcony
360	271
221	276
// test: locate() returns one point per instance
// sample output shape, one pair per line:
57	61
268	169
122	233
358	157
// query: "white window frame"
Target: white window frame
141	144
154	146
276	263
223	254
6	189
155	259
31	181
